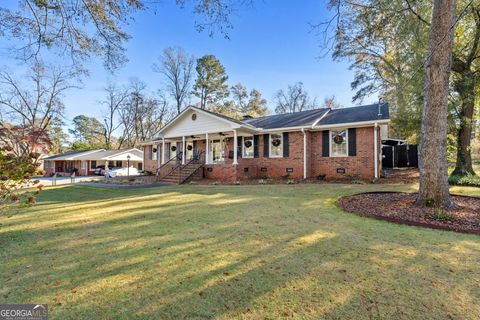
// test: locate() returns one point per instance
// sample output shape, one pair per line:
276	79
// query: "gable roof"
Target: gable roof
296	119
313	119
372	112
71	155
323	116
97	154
224	118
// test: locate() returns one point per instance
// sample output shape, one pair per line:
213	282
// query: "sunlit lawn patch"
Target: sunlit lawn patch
247	252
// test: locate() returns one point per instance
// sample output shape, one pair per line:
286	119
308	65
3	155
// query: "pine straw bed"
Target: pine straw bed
400	208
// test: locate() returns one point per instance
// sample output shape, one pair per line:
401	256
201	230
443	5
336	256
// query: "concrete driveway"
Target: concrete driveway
48	181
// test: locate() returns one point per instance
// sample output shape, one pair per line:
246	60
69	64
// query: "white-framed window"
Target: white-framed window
276	145
154	153
338	143
93	164
83	165
46	164
247	147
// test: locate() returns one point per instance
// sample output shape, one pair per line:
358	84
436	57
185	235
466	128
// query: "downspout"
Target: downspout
375	149
304	154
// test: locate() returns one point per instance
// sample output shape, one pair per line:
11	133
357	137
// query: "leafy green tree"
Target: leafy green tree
58	137
245	103
15	173
88	132
211	84
387	42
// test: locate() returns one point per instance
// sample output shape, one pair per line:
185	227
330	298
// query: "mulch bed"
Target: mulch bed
400	208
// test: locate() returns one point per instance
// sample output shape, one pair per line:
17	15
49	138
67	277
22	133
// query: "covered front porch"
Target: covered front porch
214	148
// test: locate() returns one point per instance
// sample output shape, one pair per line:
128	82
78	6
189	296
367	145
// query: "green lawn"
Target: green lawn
244	252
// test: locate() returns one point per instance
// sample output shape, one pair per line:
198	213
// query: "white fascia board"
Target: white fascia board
352	124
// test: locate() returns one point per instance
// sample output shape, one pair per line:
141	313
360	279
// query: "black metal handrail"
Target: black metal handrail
196	159
167	164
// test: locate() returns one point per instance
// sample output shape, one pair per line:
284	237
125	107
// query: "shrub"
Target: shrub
470	180
290	181
440	216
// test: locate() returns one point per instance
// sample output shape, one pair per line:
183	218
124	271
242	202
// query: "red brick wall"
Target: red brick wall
148	163
277	167
361	165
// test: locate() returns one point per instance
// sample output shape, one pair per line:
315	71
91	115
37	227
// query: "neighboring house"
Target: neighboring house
325	143
84	162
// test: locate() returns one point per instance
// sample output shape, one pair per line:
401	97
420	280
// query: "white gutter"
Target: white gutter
352	124
375	149
304	154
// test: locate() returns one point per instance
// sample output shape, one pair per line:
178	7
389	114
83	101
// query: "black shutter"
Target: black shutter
325	143
352	142
285	145
195	153
266	151
179	150
167	150
239	147
255	146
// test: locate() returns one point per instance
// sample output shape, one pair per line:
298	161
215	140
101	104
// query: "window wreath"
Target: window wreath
276	142
173	148
338	139
189	147
247	143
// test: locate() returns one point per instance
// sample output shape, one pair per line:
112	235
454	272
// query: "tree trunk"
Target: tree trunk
466	89
433	146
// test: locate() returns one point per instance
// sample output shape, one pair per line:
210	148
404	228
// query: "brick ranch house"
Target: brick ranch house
321	143
84	162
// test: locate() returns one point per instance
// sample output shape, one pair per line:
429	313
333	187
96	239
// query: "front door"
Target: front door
217	151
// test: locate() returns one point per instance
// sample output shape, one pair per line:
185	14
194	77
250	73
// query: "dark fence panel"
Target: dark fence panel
402	156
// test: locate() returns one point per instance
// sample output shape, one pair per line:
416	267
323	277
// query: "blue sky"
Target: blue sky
270	47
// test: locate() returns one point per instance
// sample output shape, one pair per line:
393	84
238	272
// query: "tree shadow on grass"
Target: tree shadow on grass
262	255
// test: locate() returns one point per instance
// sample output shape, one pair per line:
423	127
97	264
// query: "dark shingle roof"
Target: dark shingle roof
357	114
296	119
334	116
70	153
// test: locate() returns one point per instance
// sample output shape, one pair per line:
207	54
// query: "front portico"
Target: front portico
195	133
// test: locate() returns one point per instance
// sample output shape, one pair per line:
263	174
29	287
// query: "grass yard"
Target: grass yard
243	252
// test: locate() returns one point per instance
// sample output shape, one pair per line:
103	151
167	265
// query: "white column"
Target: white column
158	156
235	147
106	168
163	151
207	151
375	149
183	150
304	155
